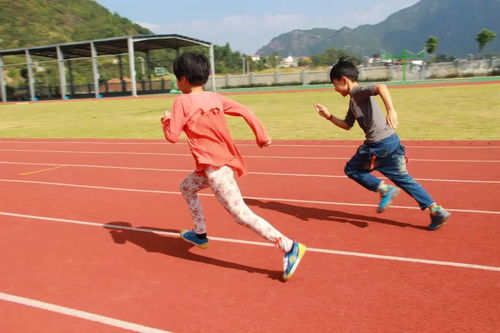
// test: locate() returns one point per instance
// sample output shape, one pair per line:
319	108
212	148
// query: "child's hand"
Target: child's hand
265	144
166	115
392	119
322	111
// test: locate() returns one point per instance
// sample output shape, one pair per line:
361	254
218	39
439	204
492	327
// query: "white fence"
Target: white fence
412	72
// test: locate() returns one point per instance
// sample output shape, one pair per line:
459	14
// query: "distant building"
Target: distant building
289	62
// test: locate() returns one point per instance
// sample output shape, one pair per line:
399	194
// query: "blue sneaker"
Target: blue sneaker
190	237
439	215
292	259
387	197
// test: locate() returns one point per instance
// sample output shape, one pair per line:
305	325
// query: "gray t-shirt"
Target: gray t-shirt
366	112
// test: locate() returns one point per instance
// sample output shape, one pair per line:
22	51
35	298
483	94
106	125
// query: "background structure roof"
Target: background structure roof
109	46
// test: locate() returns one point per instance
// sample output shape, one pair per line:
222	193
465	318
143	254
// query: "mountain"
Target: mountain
454	22
40	22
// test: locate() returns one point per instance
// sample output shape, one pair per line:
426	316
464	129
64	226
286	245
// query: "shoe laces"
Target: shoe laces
436	210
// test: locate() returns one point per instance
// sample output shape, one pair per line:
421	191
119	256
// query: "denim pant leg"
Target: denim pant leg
359	167
394	168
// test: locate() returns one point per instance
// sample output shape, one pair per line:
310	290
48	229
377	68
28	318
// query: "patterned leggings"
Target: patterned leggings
221	181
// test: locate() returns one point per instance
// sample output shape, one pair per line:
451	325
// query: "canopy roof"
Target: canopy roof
109	46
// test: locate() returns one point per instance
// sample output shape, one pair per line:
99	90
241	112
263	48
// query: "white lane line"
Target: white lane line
98	166
251	172
475	211
247	144
239	241
79	314
246	156
341	176
92	152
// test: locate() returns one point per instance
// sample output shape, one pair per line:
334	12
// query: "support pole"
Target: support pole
62	72
31	79
95	69
131	60
120	66
212	67
70	76
3	91
148	70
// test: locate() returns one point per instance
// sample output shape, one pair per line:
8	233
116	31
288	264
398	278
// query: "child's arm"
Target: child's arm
383	92
173	122
323	112
234	108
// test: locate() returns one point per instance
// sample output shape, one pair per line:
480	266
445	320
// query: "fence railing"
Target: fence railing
367	73
459	68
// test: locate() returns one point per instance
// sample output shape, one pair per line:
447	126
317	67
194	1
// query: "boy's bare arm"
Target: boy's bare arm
323	112
383	92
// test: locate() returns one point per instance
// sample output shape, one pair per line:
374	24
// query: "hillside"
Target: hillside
454	22
39	22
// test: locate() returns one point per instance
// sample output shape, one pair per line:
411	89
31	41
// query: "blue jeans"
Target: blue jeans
388	157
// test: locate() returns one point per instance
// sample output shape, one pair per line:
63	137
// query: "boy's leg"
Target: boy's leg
221	181
394	168
359	167
189	188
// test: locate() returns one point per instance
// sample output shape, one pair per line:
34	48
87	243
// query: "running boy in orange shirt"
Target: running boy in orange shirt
381	150
200	115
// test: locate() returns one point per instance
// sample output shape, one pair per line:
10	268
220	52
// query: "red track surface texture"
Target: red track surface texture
88	242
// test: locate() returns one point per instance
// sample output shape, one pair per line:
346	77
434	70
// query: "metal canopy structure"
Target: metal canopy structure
99	47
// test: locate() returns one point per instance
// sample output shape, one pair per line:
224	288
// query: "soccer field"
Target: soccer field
467	112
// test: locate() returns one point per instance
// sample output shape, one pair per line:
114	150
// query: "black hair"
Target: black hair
193	66
345	68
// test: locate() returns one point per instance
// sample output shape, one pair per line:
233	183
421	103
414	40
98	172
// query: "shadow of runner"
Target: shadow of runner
173	246
306	213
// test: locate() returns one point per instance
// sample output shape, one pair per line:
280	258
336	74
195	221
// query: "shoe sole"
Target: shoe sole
202	246
383	209
302	251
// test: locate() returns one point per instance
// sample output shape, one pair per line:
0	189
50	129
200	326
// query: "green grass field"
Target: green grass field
469	112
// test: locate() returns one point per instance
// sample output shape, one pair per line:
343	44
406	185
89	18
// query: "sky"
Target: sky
250	25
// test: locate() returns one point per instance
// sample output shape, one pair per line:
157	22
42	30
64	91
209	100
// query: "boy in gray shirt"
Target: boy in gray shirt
381	150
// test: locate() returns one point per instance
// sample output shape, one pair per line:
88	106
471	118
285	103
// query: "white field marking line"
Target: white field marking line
239	241
245	144
245	197
246	156
251	172
79	314
98	166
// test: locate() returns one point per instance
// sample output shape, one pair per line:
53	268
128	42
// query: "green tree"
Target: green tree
332	55
303	62
484	37
431	44
273	60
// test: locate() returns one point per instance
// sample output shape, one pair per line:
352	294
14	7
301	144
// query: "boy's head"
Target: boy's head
343	74
344	68
192	66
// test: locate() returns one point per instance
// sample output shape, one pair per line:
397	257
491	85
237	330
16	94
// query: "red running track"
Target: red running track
89	242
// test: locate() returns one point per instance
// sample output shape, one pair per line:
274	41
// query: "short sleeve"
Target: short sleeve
349	118
361	93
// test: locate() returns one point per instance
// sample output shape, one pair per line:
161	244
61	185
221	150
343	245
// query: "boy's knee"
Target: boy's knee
348	170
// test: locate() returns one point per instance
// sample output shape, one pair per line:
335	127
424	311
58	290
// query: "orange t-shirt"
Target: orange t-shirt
202	117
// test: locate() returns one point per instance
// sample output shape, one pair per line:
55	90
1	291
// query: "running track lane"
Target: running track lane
353	288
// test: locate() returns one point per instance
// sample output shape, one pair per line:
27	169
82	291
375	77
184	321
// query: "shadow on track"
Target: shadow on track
123	232
307	213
